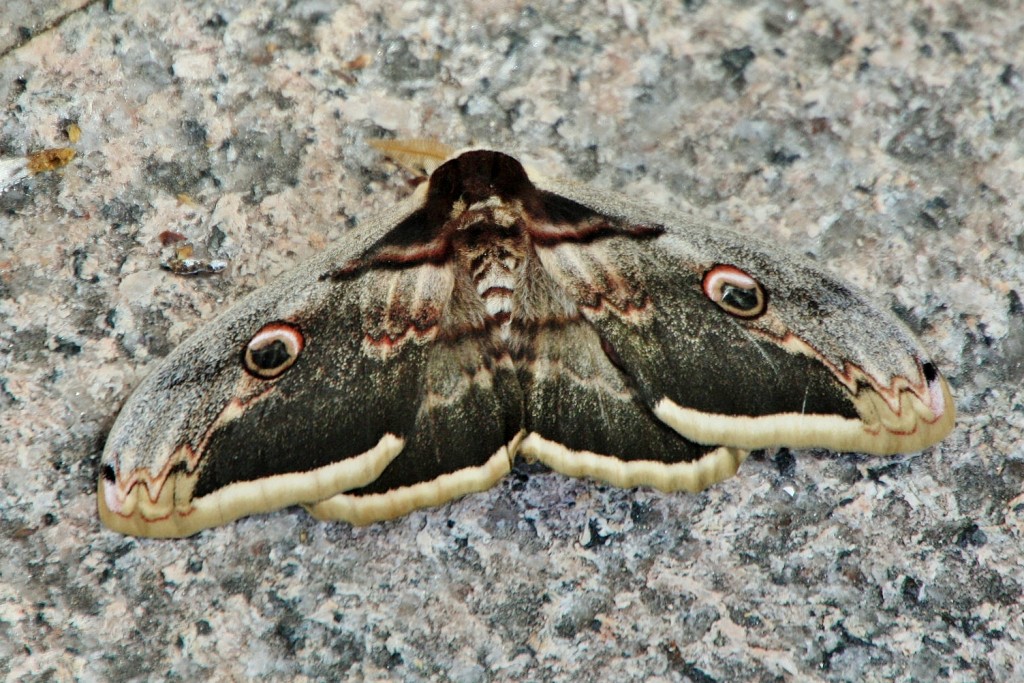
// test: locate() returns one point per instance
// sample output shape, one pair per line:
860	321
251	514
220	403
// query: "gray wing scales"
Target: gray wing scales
586	412
791	356
383	408
584	417
576	396
464	421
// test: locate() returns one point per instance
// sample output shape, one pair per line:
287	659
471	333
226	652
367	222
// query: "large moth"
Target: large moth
496	314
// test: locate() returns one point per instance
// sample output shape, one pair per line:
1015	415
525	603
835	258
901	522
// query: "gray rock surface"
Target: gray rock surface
882	138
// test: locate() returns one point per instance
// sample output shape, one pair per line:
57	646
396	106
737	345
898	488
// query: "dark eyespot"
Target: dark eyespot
109	474
272	350
735	292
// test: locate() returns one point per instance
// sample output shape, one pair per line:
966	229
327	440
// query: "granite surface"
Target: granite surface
882	138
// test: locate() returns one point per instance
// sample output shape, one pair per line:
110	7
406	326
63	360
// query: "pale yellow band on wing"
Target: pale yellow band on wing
161	518
376	507
882	431
715	466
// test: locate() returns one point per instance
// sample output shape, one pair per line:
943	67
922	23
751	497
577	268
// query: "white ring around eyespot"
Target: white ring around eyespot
724	274
287	334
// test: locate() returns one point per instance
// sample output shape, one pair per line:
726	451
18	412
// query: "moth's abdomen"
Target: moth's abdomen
496	287
492	257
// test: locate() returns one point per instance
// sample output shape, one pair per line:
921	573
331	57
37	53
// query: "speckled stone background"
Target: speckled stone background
883	138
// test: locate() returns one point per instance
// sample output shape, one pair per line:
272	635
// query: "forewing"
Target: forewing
380	402
818	366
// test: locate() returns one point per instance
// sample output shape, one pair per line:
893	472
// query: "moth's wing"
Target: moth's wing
586	416
821	367
375	404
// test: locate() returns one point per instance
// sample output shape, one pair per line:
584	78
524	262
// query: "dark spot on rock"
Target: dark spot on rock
644	516
183	175
216	22
832	45
78	258
195	133
952	43
386	658
216	240
971	535
911	590
120	213
922	135
785	462
289	630
687	669
1016	306
1008	76
400	65
876	474
350	649
596	537
782	157
736	60
66	347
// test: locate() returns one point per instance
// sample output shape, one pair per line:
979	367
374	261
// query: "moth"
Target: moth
496	314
